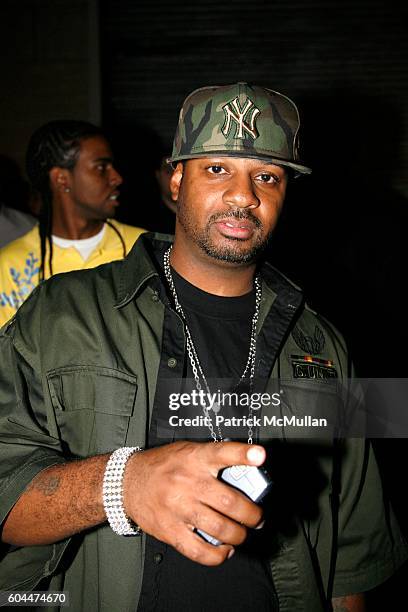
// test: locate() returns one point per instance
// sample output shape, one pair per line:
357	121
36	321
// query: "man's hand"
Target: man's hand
171	490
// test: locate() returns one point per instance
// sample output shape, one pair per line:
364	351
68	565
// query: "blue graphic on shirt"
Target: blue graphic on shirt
23	281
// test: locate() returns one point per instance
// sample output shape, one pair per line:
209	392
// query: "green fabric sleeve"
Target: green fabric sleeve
370	545
26	448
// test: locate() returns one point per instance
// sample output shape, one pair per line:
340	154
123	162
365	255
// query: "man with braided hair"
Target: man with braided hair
70	164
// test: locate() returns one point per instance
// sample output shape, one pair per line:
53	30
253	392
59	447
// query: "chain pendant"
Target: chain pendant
195	362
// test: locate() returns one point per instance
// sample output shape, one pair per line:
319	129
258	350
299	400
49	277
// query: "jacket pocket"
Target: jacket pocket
306	409
92	407
315	407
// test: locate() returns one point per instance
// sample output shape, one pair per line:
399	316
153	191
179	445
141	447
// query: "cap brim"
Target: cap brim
300	168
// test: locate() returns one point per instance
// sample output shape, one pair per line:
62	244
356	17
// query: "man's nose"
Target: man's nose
115	178
240	193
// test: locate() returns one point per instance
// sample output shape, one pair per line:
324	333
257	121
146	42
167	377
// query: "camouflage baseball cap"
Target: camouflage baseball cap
239	120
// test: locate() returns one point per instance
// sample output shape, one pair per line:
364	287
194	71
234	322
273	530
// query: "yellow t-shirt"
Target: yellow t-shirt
20	262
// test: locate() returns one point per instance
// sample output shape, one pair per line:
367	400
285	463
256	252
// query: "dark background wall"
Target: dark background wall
49	62
345	63
350	52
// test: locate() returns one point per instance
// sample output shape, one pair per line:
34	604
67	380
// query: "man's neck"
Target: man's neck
76	232
218	278
75	228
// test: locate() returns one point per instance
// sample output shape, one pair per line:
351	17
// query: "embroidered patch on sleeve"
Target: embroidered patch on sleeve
309	344
306	366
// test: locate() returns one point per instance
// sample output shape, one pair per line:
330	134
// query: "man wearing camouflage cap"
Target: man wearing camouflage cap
85	390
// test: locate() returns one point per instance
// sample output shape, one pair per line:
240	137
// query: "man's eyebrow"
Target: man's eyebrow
103	159
265	162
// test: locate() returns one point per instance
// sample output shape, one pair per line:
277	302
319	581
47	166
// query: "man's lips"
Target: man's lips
235	228
114	198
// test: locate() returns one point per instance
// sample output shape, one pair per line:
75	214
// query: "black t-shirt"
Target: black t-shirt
220	328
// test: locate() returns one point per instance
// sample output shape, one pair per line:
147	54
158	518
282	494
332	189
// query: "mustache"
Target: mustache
239	214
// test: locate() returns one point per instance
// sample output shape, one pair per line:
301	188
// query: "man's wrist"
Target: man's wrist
112	492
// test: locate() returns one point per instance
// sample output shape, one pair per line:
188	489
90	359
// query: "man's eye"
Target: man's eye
216	169
265	177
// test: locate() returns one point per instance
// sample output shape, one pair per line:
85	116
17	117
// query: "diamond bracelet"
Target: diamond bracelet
112	491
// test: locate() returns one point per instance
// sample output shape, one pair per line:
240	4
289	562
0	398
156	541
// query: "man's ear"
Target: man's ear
59	179
175	181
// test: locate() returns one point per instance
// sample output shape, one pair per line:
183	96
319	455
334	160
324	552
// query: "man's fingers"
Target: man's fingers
217	525
226	501
225	454
232	503
193	546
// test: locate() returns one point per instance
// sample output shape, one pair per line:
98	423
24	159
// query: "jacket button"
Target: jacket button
155	297
172	362
157	558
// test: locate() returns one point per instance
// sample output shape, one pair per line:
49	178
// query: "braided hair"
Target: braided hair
56	143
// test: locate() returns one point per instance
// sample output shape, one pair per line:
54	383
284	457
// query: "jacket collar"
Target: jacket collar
290	296
139	266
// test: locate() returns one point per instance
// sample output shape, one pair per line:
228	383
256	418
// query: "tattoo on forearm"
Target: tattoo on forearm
47	485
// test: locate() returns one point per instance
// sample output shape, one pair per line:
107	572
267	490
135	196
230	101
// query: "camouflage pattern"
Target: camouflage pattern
241	120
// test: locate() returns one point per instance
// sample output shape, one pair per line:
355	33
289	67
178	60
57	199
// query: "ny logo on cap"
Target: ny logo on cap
244	118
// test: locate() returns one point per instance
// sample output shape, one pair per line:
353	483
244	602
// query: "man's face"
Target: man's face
94	182
227	207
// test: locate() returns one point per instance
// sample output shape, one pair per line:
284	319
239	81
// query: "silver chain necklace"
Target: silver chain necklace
195	362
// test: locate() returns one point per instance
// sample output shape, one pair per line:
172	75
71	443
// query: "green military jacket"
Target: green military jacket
78	373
